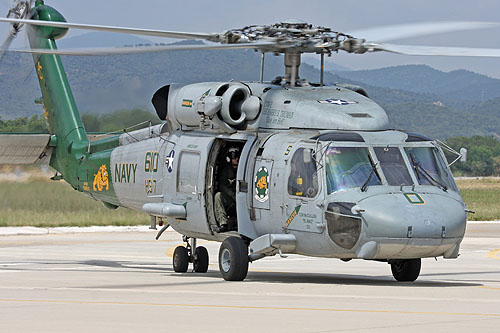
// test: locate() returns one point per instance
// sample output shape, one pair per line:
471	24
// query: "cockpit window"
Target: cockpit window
429	167
393	166
303	179
348	167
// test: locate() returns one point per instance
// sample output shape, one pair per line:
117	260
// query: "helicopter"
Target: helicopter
311	169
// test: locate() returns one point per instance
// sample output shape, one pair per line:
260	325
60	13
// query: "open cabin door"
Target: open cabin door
216	161
243	188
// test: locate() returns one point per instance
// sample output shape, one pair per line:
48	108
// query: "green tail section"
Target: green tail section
62	115
84	165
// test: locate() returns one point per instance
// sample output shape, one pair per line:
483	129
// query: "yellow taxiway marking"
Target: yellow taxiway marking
491	288
215	306
494	254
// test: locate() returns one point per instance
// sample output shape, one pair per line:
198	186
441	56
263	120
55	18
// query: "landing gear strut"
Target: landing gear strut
183	255
406	270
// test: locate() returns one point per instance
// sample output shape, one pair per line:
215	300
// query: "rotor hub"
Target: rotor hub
295	36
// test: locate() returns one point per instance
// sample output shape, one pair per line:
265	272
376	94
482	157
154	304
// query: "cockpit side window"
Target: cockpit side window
393	166
303	179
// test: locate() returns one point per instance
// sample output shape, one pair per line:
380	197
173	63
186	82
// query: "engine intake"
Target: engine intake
238	105
228	105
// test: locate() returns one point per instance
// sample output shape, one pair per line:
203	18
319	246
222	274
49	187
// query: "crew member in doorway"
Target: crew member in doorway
225	199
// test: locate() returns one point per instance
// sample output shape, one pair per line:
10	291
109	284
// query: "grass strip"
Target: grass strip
41	203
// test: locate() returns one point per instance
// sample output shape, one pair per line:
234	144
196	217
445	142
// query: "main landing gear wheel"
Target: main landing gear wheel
233	259
201	262
406	270
181	259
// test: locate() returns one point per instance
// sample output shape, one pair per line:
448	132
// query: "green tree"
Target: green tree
34	124
115	121
483	155
496	165
91	122
119	120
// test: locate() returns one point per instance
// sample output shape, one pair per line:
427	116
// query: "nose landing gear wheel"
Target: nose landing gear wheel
181	259
233	259
201	262
406	270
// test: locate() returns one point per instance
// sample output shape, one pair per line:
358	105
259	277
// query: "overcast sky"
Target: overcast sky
340	15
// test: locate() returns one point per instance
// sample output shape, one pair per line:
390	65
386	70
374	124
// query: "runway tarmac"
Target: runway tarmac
107	281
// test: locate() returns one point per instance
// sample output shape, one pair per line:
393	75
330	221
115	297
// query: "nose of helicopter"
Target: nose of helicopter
413	215
418	224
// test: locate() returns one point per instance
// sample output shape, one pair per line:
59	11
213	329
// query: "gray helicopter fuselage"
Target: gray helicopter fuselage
319	175
320	171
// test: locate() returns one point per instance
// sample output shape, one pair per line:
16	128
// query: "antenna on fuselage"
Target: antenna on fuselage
262	67
322	69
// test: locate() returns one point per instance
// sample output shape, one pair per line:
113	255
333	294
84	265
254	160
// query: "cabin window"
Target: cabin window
393	166
187	172
349	167
303	179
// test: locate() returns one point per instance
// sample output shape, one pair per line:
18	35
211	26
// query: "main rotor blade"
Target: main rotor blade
393	32
134	31
420	50
5	46
144	49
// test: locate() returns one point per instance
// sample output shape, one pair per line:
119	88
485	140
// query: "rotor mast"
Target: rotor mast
292	64
292	57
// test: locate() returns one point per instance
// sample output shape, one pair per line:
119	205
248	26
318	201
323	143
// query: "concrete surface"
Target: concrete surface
124	281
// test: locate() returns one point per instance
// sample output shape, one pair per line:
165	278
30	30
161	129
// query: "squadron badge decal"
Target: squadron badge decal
262	185
101	179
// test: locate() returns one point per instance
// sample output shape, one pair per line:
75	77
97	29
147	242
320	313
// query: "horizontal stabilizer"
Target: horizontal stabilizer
25	149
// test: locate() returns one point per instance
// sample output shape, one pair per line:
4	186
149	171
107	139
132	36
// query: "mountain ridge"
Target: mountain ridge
459	84
416	97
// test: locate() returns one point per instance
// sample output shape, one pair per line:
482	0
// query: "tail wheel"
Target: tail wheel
201	262
233	259
181	259
406	270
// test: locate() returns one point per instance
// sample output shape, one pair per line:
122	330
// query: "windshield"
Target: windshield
348	167
393	166
429	167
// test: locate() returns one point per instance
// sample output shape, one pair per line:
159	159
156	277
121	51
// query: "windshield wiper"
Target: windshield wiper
364	187
420	170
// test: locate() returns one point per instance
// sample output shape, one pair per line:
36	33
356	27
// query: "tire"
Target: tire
201	262
406	270
181	259
233	259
